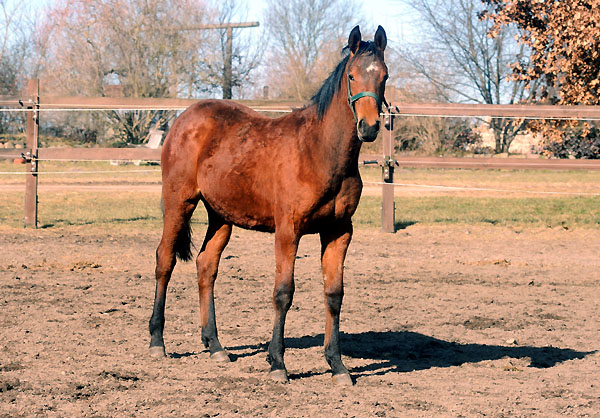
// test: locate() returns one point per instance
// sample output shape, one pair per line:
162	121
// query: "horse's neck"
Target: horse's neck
338	135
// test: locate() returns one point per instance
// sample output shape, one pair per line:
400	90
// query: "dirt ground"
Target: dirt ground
437	321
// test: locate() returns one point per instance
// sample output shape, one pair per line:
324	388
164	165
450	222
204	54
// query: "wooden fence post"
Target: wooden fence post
31	153
388	207
227	68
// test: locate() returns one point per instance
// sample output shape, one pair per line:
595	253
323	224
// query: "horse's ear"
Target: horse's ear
380	39
354	39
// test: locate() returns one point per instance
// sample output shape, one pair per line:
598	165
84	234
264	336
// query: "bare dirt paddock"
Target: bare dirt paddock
436	321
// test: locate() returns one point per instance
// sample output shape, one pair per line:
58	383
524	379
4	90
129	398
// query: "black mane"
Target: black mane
333	83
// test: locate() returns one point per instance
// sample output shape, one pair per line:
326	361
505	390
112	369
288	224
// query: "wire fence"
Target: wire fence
436	110
482	189
431	187
120	109
81	172
33	155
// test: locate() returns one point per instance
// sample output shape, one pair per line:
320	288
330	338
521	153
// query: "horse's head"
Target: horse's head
366	74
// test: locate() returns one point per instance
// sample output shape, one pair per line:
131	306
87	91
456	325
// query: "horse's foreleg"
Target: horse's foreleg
334	244
286	246
207	263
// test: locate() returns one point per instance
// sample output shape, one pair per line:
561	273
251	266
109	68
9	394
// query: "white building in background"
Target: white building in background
525	144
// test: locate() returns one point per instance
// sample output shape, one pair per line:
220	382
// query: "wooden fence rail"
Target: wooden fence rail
34	105
61	103
50	103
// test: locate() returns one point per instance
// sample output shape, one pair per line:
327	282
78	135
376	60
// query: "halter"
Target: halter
352	99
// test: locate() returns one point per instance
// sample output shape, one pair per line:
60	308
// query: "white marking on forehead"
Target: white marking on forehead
372	67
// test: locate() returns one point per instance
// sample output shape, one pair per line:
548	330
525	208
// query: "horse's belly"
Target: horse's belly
237	202
247	215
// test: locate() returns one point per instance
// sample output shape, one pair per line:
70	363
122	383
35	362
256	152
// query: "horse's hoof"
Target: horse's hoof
158	351
220	357
279	375
342	379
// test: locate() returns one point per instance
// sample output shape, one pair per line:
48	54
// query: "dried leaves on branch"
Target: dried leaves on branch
564	39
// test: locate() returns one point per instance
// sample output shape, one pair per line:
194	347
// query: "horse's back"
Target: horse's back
212	128
208	123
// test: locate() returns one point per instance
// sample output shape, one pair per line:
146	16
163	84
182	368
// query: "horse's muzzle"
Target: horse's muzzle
366	132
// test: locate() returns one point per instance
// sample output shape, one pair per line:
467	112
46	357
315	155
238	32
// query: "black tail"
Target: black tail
183	244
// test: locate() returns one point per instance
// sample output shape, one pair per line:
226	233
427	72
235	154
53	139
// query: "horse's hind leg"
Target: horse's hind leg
334	244
175	241
207	262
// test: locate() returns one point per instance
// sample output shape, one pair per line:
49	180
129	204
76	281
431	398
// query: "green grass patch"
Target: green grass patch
533	180
134	210
567	212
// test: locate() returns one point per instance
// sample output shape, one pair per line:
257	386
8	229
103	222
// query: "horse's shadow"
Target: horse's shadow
406	351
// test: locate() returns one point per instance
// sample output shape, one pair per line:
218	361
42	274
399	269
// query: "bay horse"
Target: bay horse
291	176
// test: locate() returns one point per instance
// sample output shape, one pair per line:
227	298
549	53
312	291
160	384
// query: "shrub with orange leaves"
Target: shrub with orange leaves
564	40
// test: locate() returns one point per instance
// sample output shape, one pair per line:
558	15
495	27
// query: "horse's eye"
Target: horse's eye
351	77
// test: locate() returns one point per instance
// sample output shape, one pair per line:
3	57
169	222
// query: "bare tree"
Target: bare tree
91	44
306	36
246	50
14	46
125	42
457	56
14	51
142	49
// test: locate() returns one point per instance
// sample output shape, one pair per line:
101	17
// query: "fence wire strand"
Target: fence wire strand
423	115
74	160
406	185
79	108
79	172
103	109
481	189
270	110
